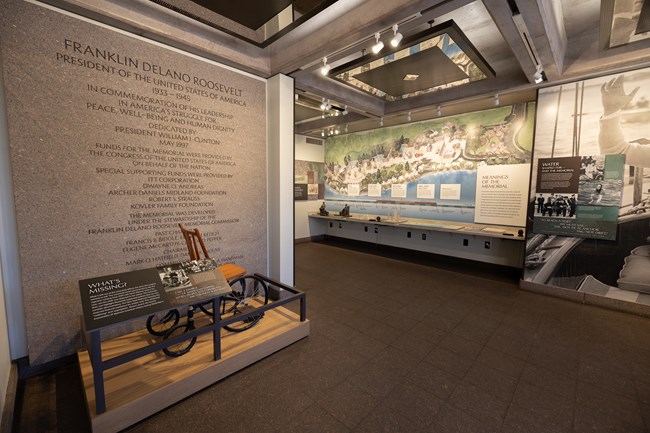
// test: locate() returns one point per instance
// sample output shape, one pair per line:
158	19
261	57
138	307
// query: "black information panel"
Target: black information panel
115	298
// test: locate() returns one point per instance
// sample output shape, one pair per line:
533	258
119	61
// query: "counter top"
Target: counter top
433	225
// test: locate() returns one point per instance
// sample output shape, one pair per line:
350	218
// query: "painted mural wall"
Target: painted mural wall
437	169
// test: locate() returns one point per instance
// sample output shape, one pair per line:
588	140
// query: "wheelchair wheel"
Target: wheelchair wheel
206	308
248	292
158	324
182	347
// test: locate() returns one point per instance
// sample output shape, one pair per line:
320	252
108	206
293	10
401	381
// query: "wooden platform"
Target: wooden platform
151	383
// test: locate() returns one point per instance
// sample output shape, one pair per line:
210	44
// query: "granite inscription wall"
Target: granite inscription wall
115	140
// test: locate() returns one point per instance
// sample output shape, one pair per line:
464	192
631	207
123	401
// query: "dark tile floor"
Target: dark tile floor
399	346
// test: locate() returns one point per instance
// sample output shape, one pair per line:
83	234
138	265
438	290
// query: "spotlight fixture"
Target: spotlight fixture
322	133
345	111
438	111
381	122
324	70
378	44
325	105
346	128
538	74
496	100
408	117
397	37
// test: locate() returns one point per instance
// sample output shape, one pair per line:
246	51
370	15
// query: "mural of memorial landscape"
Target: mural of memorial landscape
378	172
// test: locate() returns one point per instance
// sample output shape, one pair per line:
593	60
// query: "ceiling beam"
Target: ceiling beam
501	14
545	23
458	94
342	94
326	123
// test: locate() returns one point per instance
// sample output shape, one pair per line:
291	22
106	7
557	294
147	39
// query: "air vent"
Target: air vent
314	141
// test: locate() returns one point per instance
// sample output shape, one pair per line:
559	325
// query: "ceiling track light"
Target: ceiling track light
381	122
346	127
538	75
325	69
397	37
438	111
345	111
408	117
325	105
379	45
496	100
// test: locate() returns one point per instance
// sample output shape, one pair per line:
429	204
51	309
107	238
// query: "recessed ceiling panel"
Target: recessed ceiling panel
630	22
432	67
643	25
441	56
250	13
259	22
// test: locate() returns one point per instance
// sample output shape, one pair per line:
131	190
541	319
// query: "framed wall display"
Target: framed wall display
451	169
591	146
579	196
308	180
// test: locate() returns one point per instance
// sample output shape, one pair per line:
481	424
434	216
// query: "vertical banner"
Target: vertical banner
589	219
502	194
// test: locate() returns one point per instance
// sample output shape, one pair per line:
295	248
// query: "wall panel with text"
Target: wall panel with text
114	141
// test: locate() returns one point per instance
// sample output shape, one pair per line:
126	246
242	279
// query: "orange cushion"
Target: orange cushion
232	271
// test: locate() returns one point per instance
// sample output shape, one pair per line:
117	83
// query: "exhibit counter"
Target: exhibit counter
500	245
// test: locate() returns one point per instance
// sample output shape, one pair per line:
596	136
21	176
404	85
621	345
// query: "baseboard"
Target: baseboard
586	298
316	238
26	370
6	426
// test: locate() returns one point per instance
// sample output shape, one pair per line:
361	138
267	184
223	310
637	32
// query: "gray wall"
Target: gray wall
115	140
